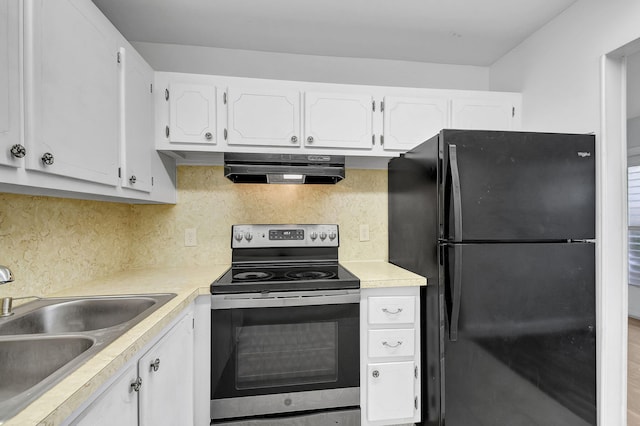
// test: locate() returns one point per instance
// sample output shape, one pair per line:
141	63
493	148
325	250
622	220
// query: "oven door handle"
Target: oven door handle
274	300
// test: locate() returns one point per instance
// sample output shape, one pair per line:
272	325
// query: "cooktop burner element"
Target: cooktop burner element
309	275
269	258
253	276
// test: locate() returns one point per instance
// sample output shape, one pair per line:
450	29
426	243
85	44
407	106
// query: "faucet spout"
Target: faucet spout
6	276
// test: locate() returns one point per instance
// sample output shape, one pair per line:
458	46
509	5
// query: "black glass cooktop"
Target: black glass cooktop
259	278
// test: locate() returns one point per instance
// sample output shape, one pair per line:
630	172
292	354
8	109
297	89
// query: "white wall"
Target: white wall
558	68
325	69
558	71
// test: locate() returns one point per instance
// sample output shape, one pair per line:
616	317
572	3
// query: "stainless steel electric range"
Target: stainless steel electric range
285	330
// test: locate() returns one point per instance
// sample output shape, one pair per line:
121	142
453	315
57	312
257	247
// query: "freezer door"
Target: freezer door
520	334
517	186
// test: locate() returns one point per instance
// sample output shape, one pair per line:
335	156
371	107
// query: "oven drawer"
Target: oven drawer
392	310
391	342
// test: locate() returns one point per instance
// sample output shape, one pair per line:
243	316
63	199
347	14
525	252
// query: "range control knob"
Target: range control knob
238	237
332	235
248	236
313	235
323	235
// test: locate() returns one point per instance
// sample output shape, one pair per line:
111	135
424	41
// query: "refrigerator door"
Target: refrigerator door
520	334
517	186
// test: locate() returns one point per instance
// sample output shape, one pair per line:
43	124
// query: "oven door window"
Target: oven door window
286	354
258	351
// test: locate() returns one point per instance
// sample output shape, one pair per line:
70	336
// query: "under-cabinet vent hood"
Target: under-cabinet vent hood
284	168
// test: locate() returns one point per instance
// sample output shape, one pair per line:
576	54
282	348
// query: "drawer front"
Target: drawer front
392	310
393	342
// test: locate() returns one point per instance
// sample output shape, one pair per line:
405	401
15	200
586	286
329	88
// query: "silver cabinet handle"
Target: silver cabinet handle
155	365
18	151
398	343
375	373
133	179
208	136
310	139
47	159
396	312
294	139
136	384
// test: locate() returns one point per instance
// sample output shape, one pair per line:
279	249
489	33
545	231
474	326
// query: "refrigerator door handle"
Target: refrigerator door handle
457	198
456	293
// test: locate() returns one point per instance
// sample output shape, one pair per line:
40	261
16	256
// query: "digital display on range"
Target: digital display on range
286	234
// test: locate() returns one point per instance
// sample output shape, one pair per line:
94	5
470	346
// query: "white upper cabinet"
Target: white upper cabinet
10	84
483	114
263	117
77	114
290	117
72	91
334	120
137	121
411	121
192	113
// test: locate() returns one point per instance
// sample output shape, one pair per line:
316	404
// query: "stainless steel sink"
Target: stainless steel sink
25	362
78	315
47	339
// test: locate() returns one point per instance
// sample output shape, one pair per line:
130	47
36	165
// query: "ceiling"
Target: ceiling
465	32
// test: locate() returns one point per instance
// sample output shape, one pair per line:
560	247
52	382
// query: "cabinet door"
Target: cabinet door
118	405
263	117
482	114
166	395
390	391
71	84
192	113
411	121
9	81
137	121
333	120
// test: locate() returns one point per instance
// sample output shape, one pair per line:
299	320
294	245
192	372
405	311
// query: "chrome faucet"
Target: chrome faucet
6	276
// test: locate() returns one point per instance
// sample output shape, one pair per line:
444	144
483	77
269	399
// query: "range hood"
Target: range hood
284	168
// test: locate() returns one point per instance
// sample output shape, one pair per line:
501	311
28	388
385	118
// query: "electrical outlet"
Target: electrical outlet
190	237
364	232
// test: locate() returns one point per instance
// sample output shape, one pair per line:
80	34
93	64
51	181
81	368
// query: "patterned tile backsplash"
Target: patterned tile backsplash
51	243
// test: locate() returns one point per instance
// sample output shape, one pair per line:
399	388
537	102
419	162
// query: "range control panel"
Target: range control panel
263	236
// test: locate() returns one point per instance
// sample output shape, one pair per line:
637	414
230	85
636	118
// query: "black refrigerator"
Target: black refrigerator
502	224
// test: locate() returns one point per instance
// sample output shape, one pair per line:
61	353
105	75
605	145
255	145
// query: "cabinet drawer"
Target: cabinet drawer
392	310
393	342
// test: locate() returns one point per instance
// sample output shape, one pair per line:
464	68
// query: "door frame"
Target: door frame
612	239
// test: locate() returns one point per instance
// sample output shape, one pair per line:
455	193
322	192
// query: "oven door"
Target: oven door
284	352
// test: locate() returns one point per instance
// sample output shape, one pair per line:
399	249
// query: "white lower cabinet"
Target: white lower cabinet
118	405
390	356
166	372
157	389
390	391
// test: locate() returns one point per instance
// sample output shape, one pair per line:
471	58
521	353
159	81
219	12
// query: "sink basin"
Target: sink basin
26	362
78	315
47	339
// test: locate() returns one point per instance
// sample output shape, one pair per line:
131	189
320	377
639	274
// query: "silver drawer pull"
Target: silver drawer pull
385	310
398	343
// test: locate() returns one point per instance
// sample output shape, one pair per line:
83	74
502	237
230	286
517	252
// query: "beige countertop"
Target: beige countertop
53	407
376	274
